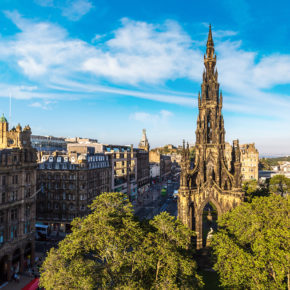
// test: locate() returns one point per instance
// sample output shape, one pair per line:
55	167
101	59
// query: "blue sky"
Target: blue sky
108	69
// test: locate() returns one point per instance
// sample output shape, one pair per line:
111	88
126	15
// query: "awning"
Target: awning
32	285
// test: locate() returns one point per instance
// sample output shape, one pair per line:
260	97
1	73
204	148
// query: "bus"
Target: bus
41	231
175	194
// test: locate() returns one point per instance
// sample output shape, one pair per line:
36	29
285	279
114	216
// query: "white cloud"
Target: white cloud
142	57
157	118
147	53
45	105
74	10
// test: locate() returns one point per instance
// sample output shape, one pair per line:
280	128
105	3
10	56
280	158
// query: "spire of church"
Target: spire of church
144	144
210	128
210	58
209	38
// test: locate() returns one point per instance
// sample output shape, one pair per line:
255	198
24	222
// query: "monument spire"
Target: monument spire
210	57
210	179
209	38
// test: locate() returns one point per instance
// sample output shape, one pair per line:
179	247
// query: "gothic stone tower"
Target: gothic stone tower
210	180
144	144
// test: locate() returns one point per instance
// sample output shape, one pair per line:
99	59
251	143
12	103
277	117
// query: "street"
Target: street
159	203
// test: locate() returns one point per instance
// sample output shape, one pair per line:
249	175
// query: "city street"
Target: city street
158	202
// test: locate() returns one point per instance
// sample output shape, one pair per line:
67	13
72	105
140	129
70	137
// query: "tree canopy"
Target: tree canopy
279	184
253	189
252	245
111	249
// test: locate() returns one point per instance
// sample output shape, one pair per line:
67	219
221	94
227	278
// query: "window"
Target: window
27	211
13	232
3	180
1	237
28	177
3	197
26	227
15	179
1	217
14	214
27	192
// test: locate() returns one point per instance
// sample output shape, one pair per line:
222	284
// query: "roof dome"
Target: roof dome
3	119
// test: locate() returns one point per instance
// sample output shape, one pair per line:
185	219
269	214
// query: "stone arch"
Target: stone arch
4	269
198	218
17	261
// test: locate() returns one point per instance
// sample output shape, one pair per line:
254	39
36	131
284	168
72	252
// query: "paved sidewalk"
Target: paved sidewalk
23	281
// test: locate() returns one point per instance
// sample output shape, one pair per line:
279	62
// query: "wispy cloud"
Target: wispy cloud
147	53
74	10
45	105
141	57
148	118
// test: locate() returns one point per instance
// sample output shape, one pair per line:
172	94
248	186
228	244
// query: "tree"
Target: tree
279	184
253	189
252	245
111	249
168	255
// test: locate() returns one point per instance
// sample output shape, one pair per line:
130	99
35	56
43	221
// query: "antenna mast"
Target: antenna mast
10	108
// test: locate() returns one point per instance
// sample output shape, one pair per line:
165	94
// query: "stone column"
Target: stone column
198	229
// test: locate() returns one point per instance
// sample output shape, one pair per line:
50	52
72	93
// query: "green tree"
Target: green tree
252	245
111	249
279	184
253	189
168	255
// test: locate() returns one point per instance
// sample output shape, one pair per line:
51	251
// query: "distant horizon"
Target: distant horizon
108	69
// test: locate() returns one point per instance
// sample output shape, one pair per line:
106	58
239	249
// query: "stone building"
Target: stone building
48	143
123	168
68	184
144	144
164	162
154	171
249	160
17	199
143	167
211	182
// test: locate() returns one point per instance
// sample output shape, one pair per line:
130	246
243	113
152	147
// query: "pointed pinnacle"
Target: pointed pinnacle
209	38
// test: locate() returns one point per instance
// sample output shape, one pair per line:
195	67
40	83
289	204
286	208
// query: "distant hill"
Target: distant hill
266	163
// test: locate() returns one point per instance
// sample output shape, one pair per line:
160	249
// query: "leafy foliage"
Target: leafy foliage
279	184
252	245
253	189
110	249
